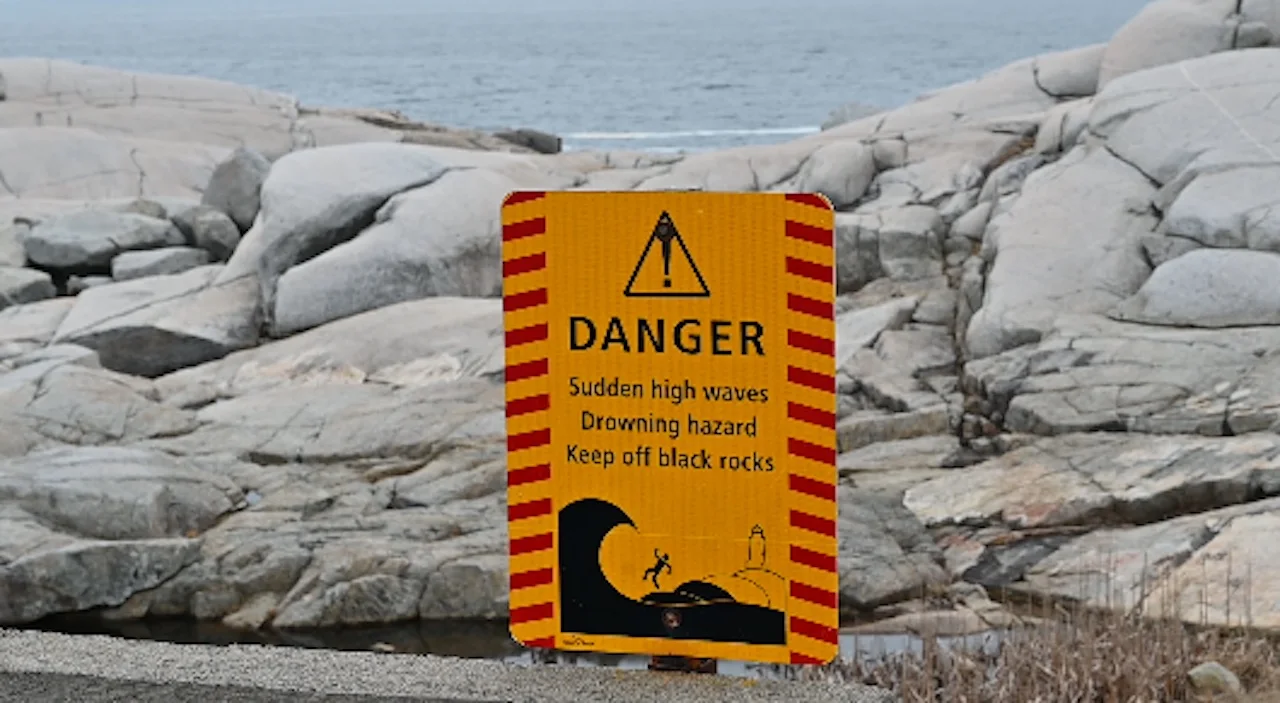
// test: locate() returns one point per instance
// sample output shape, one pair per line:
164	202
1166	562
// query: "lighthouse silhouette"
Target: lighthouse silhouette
756	548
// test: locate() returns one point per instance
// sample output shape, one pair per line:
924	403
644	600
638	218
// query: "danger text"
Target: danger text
688	336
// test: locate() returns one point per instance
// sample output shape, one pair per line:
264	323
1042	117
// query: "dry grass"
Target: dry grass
1085	657
1075	654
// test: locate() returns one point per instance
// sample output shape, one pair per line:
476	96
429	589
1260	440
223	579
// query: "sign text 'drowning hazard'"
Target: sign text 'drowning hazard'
671	423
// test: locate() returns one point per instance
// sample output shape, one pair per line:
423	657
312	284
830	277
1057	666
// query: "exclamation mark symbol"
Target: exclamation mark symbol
666	262
665	234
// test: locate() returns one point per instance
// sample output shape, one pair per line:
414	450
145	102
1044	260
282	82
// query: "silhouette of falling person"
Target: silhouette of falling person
664	562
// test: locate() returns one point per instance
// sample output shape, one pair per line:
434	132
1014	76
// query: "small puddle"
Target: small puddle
471	640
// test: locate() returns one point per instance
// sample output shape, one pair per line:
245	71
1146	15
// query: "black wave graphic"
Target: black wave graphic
694	610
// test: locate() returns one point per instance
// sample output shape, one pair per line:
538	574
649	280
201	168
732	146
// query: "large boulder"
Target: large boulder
84	575
315	199
532	139
179	109
910	241
76	163
841	170
87	241
857	251
210	230
1208	114
116	493
25	213
1209	288
236	186
1166	32
88	527
19	285
151	326
885	554
1012	90
438	240
1070	74
1071	243
902	243
191	111
1236	208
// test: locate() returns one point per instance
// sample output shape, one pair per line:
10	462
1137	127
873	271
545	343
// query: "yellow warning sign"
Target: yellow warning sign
671	423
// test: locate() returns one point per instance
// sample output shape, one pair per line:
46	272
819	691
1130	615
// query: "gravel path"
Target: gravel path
76	664
68	688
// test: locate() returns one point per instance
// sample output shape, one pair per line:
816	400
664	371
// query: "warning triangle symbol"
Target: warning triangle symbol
666	268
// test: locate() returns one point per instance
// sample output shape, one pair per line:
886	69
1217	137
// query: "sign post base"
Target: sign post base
688	665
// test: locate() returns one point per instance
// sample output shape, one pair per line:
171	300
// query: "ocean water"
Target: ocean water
632	74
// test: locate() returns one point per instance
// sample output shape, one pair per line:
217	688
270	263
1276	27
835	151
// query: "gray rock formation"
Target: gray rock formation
20	285
316	199
157	262
438	240
236	185
87	241
210	230
151	326
11	251
535	140
1056	339
1209	288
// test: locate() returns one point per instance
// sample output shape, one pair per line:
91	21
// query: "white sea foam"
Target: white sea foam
690	133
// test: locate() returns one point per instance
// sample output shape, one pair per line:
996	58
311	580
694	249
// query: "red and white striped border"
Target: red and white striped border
524	303
810	274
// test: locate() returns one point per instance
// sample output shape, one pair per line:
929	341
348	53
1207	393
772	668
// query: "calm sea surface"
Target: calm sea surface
647	74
